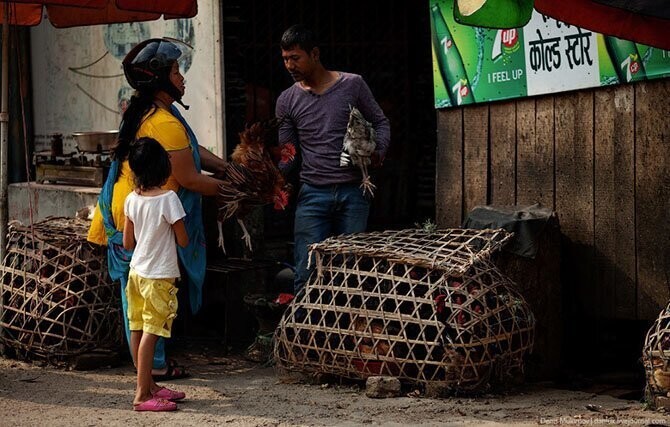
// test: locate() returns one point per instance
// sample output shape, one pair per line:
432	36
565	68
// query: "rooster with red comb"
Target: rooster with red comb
252	178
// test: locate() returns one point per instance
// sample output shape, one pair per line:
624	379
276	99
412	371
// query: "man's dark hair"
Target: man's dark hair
298	36
149	162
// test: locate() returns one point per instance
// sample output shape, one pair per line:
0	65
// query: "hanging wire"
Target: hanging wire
96	76
83	67
77	70
94	99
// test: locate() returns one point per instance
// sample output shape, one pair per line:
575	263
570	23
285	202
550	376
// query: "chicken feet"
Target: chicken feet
245	236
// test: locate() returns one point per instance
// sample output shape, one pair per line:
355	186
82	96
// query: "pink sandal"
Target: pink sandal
168	394
155	405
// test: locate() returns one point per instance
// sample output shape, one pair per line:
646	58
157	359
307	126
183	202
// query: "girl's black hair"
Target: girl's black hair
298	36
149	162
141	104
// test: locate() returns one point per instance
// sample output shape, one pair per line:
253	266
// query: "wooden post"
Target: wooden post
4	128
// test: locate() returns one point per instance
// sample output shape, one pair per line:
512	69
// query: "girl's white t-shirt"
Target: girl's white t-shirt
155	255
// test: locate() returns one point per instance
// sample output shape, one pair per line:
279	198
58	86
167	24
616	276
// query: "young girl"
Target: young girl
154	220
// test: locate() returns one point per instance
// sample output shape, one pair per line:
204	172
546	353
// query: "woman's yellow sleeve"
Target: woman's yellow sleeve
172	136
96	233
166	129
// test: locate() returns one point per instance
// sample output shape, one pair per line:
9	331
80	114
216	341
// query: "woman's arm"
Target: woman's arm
211	162
128	235
184	171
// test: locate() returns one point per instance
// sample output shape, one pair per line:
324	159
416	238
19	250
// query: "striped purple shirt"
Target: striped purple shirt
318	124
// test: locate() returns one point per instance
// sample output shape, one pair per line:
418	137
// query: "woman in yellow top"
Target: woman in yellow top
152	68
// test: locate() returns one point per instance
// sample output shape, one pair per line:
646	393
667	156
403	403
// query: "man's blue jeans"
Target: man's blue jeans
324	211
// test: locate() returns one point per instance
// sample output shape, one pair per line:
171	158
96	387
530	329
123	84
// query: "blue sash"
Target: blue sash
118	259
193	257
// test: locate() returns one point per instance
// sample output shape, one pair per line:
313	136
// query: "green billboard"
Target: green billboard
473	65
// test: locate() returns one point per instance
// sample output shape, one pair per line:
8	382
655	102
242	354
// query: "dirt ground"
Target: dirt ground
231	391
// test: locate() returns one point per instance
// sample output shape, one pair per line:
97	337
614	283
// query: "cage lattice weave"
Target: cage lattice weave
57	299
424	307
656	355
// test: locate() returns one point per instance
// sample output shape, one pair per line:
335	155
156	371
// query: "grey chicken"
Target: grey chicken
359	144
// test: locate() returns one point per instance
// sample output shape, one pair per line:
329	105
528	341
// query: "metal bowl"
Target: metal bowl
95	142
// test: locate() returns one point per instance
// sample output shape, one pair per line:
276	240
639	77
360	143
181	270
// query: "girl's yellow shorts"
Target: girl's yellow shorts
152	304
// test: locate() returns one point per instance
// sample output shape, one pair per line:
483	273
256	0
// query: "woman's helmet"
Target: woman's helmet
147	66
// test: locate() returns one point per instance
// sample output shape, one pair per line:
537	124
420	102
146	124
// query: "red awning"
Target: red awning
606	19
72	13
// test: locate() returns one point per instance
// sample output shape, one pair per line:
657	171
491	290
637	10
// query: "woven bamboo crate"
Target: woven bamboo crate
426	307
56	298
656	357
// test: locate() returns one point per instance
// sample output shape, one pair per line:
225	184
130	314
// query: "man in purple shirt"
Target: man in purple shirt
316	112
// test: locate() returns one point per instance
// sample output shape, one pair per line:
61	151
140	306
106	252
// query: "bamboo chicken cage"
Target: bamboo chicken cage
56	298
426	307
656	357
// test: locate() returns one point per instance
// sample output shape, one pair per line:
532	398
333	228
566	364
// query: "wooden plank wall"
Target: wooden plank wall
601	159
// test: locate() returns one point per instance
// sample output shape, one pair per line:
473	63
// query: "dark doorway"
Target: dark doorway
388	43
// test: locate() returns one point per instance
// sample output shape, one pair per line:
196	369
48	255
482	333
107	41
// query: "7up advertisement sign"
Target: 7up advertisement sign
450	62
472	65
